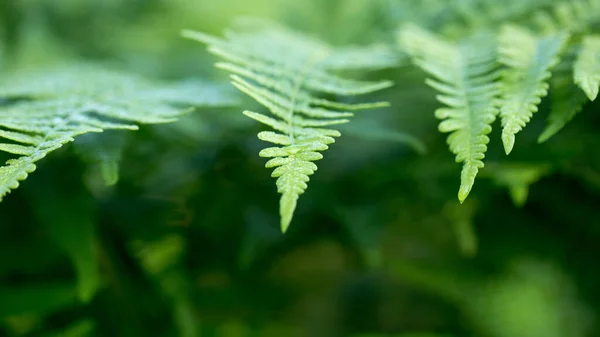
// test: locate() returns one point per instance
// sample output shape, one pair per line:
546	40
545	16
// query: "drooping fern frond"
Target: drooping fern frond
291	74
465	73
104	151
578	18
517	178
567	100
48	109
528	59
586	71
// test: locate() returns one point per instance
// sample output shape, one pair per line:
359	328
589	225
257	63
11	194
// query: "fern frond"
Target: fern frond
528	59
587	66
430	14
104	151
287	73
376	56
573	16
53	107
518	177
474	15
566	102
465	73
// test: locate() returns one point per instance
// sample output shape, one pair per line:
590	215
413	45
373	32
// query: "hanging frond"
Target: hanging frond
289	73
462	221
528	59
517	178
466	74
586	71
566	102
103	150
50	108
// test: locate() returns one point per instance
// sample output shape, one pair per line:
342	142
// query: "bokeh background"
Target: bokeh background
188	242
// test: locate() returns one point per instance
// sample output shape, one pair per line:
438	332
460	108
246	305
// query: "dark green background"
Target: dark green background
188	242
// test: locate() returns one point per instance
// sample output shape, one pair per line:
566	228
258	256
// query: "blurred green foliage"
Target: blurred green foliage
187	241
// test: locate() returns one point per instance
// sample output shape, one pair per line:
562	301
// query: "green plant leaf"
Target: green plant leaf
74	233
528	59
465	74
54	106
573	16
462	220
586	71
286	72
81	328
104	150
38	298
566	102
517	178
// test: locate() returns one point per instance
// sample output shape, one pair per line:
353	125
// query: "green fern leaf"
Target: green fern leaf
466	76
472	16
462	221
587	66
74	232
104	151
566	102
518	177
375	56
37	298
53	107
81	328
528	59
287	72
573	16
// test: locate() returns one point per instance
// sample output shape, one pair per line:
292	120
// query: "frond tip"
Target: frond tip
465	74
293	165
528	59
587	67
286	72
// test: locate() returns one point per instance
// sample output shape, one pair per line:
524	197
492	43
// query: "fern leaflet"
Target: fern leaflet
518	177
587	66
529	60
466	76
566	102
51	108
574	16
480	14
287	72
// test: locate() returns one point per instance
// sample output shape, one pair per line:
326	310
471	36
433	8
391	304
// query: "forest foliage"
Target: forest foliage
135	199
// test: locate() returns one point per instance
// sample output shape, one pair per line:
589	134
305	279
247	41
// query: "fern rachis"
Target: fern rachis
567	100
287	72
466	76
528	59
